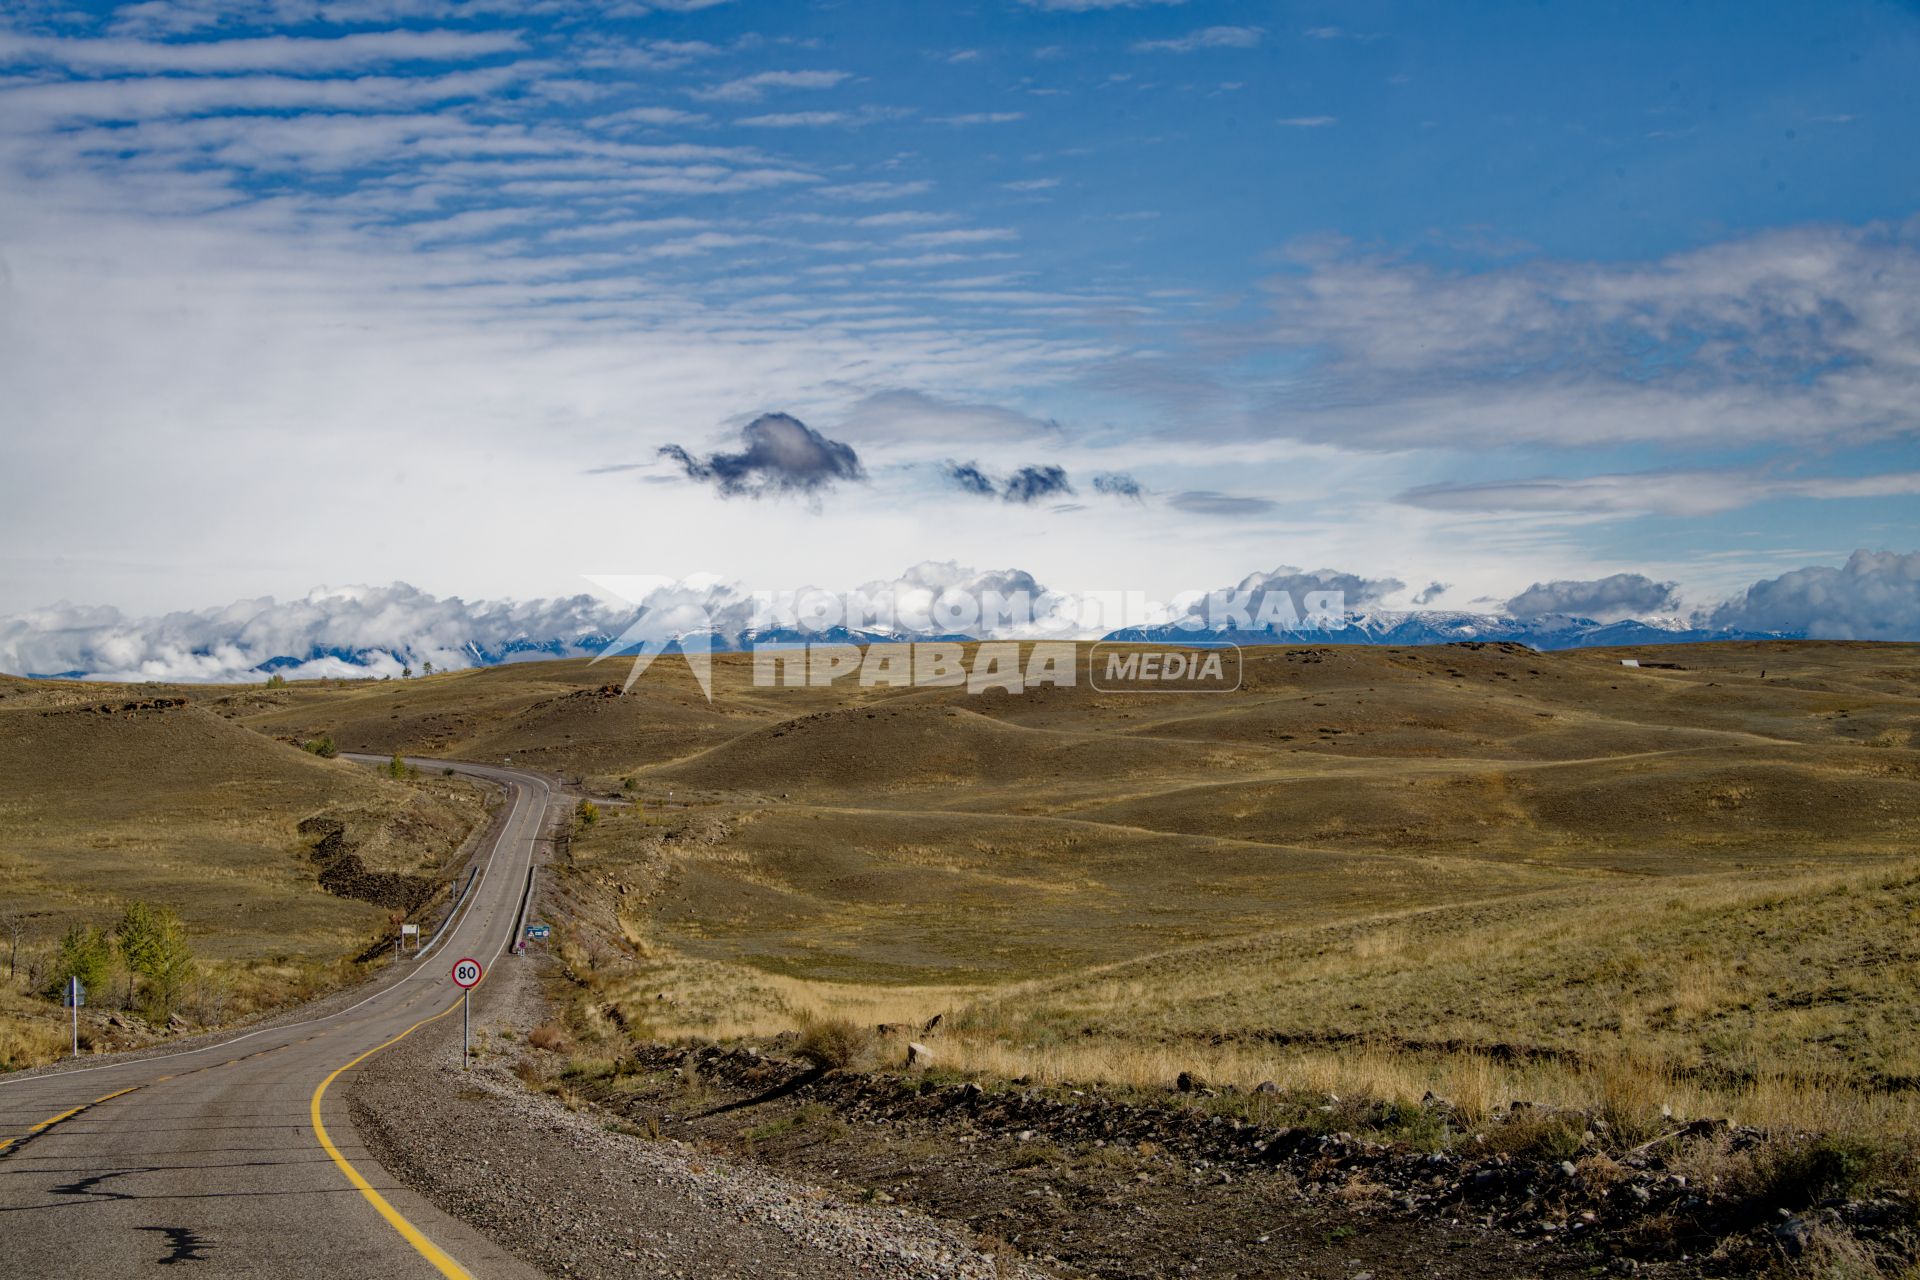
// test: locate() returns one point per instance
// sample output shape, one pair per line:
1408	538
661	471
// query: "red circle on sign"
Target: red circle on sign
466	973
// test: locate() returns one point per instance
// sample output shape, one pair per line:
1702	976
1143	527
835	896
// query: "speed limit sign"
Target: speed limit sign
466	973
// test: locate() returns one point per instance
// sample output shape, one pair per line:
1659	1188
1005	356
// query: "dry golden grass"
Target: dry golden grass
1542	878
1482	872
100	805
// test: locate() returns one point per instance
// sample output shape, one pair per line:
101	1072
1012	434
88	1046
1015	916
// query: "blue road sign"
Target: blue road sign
539	931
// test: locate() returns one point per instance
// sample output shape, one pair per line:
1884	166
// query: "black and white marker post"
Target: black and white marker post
76	996
466	976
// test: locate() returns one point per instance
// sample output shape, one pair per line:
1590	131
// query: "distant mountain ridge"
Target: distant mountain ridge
1426	627
1545	632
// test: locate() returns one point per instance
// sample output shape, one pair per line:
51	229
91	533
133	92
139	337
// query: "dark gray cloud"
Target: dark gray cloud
1874	596
968	478
1209	502
1621	595
781	455
1031	484
1025	486
1118	484
1431	592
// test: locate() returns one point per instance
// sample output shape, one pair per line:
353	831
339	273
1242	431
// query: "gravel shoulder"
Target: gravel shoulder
574	1193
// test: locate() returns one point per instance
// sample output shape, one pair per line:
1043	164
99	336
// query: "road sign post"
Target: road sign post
466	975
76	996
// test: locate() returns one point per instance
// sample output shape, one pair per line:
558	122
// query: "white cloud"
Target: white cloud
754	87
869	192
900	414
981	117
651	116
1682	493
269	53
1308	122
958	235
331	631
156	97
813	119
1874	596
1088	6
797	119
1205	38
1806	334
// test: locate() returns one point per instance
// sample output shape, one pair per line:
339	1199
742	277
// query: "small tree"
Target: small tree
153	945
323	747
276	681
399	770
138	938
589	813
426	668
84	953
406	673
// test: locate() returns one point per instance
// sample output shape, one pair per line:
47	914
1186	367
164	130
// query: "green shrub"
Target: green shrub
322	746
85	952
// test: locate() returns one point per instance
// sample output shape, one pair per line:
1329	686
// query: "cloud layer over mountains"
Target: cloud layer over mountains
379	631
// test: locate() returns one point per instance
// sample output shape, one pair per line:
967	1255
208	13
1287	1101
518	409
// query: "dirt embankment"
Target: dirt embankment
345	874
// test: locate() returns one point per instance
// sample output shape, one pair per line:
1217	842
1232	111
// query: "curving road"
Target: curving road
237	1158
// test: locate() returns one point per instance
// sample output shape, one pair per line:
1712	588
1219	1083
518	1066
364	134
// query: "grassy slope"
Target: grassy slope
1446	863
182	807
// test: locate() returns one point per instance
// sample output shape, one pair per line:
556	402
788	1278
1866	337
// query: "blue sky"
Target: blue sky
300	292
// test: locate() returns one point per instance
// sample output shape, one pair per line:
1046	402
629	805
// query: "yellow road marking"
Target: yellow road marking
54	1120
51	1121
414	1236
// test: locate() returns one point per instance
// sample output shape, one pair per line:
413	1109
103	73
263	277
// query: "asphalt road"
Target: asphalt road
237	1158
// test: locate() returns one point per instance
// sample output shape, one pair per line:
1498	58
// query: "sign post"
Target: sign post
410	931
76	996
466	976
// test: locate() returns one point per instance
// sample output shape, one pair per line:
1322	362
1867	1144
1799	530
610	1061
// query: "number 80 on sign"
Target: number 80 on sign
466	973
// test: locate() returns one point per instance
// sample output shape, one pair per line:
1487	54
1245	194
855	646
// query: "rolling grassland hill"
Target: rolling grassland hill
111	794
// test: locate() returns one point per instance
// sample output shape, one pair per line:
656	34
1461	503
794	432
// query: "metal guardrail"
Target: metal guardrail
526	904
473	873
